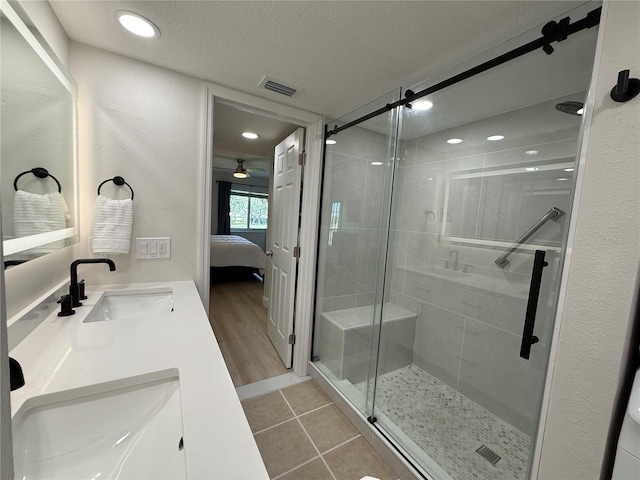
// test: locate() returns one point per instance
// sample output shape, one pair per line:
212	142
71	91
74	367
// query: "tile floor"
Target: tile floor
301	434
450	427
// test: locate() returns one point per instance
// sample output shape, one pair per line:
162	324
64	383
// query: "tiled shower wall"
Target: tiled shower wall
353	191
469	324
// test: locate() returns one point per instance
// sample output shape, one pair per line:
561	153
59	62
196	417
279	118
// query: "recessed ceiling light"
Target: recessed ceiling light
562	179
250	135
422	105
531	152
137	24
494	138
376	163
330	142
454	141
531	169
569	169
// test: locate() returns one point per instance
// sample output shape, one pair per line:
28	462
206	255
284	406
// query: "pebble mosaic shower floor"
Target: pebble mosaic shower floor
449	427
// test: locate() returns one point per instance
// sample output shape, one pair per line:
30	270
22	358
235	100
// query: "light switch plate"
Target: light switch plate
155	247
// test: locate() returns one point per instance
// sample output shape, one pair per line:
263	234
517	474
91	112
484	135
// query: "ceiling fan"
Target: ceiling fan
240	166
244	172
240	171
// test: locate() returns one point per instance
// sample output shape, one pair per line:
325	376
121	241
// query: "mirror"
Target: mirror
38	143
495	206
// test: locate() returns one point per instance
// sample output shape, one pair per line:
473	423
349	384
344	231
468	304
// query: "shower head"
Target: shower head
570	107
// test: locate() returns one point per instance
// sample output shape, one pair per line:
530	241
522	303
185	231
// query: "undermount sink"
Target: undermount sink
447	272
128	428
121	305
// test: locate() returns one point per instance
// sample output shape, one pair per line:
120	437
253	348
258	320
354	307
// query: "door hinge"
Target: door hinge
296	251
292	339
302	159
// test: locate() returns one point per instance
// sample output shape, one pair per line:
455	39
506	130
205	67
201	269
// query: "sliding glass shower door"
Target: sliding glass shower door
354	233
441	332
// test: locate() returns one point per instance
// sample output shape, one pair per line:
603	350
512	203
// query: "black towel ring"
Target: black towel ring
38	172
119	181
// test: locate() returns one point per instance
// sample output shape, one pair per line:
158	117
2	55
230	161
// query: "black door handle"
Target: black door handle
528	338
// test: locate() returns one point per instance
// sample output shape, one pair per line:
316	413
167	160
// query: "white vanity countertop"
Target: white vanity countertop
63	353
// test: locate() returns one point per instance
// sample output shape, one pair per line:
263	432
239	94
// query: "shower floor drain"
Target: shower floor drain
489	455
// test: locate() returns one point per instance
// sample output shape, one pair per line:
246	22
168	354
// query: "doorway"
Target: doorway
242	169
237	299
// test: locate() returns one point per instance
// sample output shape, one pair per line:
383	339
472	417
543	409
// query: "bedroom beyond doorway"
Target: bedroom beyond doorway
239	322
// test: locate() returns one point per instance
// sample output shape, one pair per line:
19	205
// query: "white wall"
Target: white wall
603	268
143	123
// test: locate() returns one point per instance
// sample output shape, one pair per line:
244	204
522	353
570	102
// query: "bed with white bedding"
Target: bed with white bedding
235	251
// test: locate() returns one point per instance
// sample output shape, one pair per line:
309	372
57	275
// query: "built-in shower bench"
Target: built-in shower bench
345	341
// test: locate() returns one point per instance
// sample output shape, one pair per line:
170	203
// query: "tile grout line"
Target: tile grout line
288	404
274	426
316	448
315	410
310	439
280	423
342	444
296	467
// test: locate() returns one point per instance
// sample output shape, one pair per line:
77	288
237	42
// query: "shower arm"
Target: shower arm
553	214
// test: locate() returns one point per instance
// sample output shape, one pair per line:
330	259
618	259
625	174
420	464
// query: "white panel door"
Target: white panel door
285	190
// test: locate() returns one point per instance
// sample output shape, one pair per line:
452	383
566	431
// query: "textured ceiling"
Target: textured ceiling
229	122
341	54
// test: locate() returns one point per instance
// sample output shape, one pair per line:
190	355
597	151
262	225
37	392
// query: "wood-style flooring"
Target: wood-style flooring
239	322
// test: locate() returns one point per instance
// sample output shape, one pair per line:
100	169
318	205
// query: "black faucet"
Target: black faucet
16	376
11	263
74	288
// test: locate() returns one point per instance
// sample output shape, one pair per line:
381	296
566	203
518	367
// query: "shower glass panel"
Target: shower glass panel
463	402
354	230
420	321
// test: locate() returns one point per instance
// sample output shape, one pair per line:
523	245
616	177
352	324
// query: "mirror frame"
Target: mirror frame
70	234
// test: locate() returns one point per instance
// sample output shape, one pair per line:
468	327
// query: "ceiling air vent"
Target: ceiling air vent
278	87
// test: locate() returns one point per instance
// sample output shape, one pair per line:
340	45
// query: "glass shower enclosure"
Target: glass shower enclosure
442	233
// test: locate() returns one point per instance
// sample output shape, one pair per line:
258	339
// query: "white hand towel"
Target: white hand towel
112	225
35	213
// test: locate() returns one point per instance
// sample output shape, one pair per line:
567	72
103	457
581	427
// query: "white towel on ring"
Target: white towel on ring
35	213
112	225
